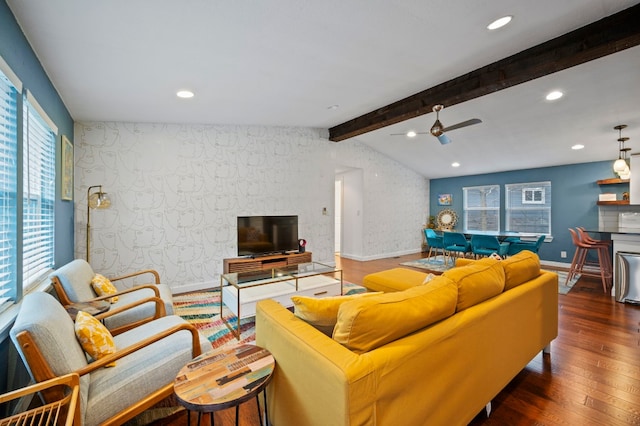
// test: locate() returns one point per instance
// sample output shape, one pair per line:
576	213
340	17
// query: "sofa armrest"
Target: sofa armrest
316	380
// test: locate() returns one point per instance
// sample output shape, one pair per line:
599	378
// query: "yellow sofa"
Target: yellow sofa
444	373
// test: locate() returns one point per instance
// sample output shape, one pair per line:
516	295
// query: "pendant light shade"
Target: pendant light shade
621	166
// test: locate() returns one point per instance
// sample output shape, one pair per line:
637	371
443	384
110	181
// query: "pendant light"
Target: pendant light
620	166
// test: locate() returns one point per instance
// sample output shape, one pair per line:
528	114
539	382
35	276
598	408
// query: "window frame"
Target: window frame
31	215
495	210
516	191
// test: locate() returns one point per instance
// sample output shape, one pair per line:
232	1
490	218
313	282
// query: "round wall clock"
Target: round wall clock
447	219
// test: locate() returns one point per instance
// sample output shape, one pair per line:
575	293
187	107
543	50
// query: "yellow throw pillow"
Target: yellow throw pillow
94	337
477	281
520	268
370	322
322	313
103	287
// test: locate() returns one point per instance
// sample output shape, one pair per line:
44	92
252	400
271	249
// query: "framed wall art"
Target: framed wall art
444	199
67	170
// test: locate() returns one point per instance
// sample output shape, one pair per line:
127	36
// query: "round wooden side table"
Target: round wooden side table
224	378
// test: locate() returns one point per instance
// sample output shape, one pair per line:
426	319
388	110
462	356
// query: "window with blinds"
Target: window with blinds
27	189
528	207
38	200
482	208
8	190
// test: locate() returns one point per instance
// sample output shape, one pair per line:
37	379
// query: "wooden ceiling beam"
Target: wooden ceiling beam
604	37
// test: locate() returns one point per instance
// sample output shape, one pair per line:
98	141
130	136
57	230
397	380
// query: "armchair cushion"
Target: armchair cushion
76	277
140	373
104	287
94	337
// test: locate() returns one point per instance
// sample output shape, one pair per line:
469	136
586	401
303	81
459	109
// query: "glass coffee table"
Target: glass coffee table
242	290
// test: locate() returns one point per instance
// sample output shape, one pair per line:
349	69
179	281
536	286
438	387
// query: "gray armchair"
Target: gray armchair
72	283
147	358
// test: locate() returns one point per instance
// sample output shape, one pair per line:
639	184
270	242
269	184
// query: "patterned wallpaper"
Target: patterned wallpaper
176	191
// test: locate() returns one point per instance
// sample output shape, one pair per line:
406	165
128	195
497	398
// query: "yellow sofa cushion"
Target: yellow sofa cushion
396	279
520	268
477	281
322	313
103	287
94	337
367	323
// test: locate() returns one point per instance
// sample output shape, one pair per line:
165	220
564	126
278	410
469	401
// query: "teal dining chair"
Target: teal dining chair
516	247
455	243
486	245
434	241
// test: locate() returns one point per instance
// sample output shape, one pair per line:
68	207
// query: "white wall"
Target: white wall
176	191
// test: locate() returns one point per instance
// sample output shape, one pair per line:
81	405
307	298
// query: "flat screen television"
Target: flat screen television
262	235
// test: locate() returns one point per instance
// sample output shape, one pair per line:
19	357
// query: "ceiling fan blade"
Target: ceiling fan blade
463	124
405	134
444	139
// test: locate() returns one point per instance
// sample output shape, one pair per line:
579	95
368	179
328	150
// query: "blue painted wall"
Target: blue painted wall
17	53
574	194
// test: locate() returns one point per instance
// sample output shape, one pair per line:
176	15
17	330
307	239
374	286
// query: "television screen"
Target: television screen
259	235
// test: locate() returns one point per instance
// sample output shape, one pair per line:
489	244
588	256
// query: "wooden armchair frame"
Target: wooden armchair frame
42	371
62	406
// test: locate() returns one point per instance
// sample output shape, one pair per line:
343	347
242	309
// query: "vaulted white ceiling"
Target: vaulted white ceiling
285	62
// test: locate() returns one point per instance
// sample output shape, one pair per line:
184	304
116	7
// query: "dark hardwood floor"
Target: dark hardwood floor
592	376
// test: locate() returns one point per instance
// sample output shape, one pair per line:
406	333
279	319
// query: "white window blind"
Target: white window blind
8	189
528	207
482	208
38	194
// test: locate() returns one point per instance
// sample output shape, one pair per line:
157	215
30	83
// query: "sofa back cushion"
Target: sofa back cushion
520	268
477	281
367	323
322	313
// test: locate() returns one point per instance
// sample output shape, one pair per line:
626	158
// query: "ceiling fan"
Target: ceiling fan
438	129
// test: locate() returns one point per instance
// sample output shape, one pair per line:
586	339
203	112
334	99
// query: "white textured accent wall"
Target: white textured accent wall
176	191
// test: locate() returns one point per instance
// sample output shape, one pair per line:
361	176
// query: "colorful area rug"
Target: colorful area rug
202	309
562	277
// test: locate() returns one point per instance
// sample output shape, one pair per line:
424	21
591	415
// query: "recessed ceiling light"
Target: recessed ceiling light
499	23
185	94
455	164
411	134
556	94
577	146
336	106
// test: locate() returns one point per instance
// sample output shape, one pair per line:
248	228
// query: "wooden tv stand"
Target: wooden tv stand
245	264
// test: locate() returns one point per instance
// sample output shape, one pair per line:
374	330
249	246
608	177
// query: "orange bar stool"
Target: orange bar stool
601	268
585	237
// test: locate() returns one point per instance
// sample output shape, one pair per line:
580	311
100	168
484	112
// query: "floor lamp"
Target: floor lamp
95	200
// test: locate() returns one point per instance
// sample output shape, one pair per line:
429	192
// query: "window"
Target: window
8	189
482	208
27	189
38	189
528	207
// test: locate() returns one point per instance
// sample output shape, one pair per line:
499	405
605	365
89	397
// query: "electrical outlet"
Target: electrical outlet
563	254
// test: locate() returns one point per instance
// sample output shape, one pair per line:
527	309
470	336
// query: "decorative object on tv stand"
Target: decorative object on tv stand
302	243
621	165
95	200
